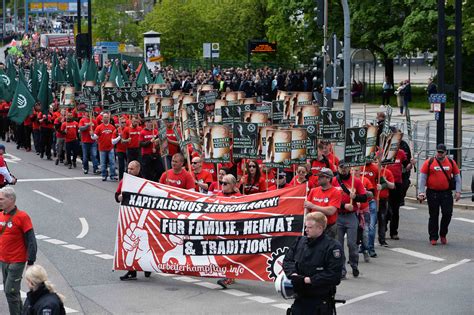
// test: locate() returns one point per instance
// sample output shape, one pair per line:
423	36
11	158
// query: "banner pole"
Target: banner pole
218	184
243	175
294	174
266	178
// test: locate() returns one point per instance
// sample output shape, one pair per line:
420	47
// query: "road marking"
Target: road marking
415	254
57	179
464	220
208	285
73	247
90	252
186	279
165	274
47	196
41	237
360	298
408	208
261	299
282	306
85	228
23	296
235	292
450	266
105	256
10	158
55	241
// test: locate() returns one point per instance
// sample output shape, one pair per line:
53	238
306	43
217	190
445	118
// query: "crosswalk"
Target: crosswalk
23	296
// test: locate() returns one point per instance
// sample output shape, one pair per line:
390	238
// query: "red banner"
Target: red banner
165	229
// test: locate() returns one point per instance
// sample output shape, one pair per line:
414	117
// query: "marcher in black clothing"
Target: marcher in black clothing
314	265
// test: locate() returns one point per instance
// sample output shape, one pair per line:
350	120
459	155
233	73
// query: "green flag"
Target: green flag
82	72
102	74
115	76
9	79
45	96
69	76
37	75
123	73
76	75
91	73
22	104
143	76
159	79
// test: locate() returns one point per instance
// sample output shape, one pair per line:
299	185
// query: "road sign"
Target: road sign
438	98
329	75
210	50
466	96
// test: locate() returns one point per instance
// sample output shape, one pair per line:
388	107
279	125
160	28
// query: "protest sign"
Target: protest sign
355	144
245	140
169	230
371	145
392	144
333	125
278	148
217	144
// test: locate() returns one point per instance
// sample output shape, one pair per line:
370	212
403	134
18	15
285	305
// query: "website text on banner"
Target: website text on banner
165	229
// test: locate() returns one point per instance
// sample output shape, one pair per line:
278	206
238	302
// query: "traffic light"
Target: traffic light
318	71
319	10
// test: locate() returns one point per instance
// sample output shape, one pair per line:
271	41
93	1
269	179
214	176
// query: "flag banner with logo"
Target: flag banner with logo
391	146
245	137
22	104
355	144
169	230
371	145
333	125
217	144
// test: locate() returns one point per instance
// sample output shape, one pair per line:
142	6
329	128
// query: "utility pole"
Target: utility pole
3	24
441	65
457	132
347	61
325	36
89	27
78	16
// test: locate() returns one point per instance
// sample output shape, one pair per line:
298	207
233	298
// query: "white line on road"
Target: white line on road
90	252
55	241
41	237
416	254
450	266
73	247
408	208
360	298
57	179
85	228
261	299
283	306
186	279
464	220
208	285
235	292
47	196
105	256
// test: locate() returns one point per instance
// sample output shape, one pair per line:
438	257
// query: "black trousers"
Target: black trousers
382	219
46	141
436	200
133	154
72	150
394	200
27	139
152	167
122	161
311	306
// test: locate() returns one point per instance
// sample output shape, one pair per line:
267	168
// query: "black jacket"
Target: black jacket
320	259
42	301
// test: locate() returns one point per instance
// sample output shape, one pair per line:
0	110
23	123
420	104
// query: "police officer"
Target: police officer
440	175
314	265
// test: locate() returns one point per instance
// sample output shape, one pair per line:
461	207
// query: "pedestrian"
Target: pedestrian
325	199
60	140
5	176
385	183
70	129
253	181
46	134
42	298
103	134
352	192
17	247
131	136
202	178
89	145
439	177
387	89
177	176
120	146
134	169
314	265
151	158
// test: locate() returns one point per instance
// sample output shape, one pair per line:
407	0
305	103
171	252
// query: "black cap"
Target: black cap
2	147
441	147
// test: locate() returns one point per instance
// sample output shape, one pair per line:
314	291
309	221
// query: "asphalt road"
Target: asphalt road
400	280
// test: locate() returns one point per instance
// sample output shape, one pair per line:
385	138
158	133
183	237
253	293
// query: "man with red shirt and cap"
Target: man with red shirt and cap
352	192
17	247
437	173
151	160
177	176
104	133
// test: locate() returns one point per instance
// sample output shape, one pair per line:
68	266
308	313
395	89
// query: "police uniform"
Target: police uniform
321	260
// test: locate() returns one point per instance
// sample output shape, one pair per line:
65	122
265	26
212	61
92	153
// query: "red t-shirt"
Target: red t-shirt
173	148
371	173
119	187
34	120
47	121
295	182
333	159
255	186
120	146
85	135
397	167
211	168
71	128
316	166
59	121
215	188
133	134
2	178
105	134
345	198
182	180
203	177
12	242
436	178
389	177
148	135
326	198
364	206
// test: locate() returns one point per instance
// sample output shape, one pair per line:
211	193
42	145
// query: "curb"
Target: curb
462	206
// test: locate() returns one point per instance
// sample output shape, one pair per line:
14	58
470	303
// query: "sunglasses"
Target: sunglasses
225	183
195	162
442	152
252	166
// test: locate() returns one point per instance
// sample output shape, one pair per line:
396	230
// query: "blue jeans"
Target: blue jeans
373	223
104	155
89	149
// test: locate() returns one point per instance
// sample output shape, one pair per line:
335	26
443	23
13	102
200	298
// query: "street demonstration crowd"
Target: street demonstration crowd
354	200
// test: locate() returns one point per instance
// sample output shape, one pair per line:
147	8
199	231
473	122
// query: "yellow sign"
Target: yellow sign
36	7
63	6
122	47
50	6
156	59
